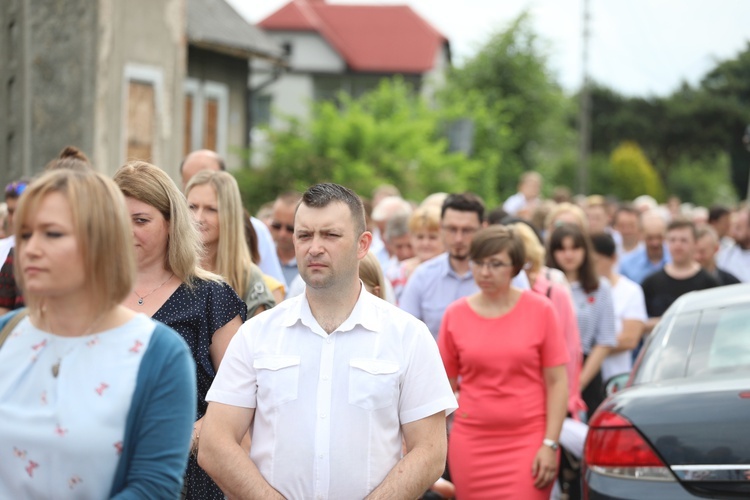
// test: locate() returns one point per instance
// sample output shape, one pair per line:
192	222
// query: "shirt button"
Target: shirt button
322	415
325	377
328	340
321	455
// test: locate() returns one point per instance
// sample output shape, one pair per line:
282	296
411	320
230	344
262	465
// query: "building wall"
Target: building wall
48	68
291	95
309	52
208	70
65	68
140	41
435	79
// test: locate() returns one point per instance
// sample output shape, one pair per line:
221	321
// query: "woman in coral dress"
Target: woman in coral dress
504	352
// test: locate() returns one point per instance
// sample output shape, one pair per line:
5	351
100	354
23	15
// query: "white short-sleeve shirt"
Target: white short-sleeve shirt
329	408
627	297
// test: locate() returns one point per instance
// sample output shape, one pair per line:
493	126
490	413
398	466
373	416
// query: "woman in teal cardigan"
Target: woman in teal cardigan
96	401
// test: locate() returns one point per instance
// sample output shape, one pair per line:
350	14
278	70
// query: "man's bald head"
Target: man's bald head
202	159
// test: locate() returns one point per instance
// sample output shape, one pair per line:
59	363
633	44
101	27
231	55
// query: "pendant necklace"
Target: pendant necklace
56	366
142	297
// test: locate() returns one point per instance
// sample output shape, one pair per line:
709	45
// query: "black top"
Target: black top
660	289
196	315
725	278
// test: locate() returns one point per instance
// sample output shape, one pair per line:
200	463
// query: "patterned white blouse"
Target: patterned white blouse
63	407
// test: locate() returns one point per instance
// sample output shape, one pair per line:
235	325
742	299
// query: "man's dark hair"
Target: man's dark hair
716	212
682	223
322	195
604	244
464	202
496	215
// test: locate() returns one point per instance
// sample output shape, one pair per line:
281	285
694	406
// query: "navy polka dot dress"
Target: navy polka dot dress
196	314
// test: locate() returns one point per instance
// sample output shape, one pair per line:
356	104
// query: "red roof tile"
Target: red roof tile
370	38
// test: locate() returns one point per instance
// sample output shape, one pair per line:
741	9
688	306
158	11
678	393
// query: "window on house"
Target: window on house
210	134
206	116
187	133
261	110
140	121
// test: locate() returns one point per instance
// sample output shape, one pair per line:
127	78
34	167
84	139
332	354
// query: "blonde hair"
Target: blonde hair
534	249
425	218
233	260
102	229
149	184
565	207
371	274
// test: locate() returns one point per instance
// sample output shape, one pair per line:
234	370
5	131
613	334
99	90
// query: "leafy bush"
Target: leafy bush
633	174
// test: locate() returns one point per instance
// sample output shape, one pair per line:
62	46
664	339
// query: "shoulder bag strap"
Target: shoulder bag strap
11	324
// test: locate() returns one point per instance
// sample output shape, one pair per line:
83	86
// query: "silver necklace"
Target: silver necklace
142	297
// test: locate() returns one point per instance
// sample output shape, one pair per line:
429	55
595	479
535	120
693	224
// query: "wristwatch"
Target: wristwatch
552	444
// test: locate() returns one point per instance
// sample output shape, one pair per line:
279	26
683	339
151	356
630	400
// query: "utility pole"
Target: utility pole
584	117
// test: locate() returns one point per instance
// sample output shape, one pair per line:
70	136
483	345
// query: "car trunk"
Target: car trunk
701	430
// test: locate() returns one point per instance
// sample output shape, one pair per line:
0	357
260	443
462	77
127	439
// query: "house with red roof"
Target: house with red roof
333	47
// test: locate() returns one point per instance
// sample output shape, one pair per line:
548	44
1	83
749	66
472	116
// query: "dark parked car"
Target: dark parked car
681	426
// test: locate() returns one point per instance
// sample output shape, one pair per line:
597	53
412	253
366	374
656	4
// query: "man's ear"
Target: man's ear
363	245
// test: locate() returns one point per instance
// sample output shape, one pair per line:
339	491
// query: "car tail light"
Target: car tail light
615	448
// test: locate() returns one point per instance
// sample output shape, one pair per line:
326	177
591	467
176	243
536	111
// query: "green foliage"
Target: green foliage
703	182
633	174
521	121
388	136
519	111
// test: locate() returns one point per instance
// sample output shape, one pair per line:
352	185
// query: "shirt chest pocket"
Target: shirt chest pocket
278	379
373	383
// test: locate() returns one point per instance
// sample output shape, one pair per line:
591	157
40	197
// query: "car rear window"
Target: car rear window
667	352
722	341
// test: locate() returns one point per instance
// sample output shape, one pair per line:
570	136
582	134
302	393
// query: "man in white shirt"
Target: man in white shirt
629	304
331	380
736	258
527	197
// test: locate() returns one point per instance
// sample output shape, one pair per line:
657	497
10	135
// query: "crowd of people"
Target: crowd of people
160	342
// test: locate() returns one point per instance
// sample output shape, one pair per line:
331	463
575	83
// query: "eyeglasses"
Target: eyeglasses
492	265
278	225
453	230
14	189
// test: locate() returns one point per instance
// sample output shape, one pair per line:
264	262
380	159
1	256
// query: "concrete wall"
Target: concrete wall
64	67
48	68
210	67
140	40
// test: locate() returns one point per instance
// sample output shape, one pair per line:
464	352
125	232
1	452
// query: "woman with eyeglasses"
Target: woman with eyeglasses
171	287
570	250
505	355
214	199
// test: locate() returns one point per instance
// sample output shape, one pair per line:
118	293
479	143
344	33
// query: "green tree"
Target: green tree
388	135
519	110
